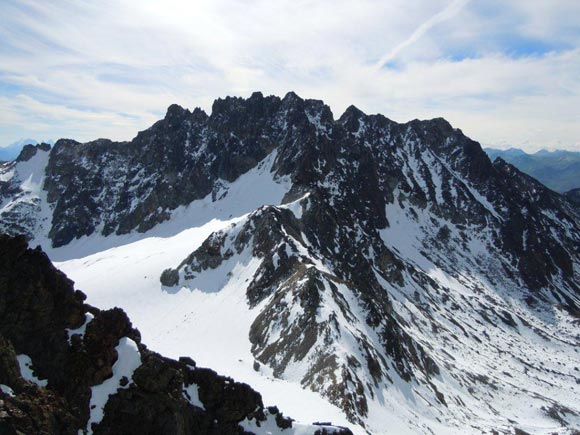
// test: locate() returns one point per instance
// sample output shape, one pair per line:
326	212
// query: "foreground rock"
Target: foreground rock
67	367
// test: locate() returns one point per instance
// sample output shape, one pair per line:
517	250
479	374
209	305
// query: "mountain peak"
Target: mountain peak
352	111
256	95
175	111
29	151
291	96
351	118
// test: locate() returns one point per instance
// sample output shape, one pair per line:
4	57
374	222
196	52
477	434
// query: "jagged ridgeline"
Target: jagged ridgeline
402	272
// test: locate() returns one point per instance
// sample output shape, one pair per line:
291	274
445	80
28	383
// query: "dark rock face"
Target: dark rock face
29	151
527	202
38	306
176	161
288	277
126	186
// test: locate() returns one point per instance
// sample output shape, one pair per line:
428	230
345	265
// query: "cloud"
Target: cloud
55	121
449	12
501	71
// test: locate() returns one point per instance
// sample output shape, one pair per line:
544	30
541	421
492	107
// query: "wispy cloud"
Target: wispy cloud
501	70
449	12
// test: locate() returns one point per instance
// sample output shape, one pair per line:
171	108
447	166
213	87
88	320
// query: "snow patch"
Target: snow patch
81	329
27	370
191	393
128	360
7	390
297	207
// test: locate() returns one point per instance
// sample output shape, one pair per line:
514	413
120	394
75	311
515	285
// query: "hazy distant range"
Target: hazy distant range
559	170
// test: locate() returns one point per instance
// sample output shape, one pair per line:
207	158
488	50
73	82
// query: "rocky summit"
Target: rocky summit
390	269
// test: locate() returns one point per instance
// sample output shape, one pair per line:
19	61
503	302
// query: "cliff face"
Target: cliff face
66	366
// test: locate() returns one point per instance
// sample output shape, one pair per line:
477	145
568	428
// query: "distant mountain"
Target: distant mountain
10	152
574	196
559	170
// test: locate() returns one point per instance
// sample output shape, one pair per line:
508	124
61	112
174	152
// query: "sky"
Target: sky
506	72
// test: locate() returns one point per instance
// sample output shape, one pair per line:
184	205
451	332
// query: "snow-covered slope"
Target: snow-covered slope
210	325
355	269
23	206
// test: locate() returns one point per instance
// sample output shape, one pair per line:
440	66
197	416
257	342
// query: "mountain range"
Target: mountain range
389	277
558	169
